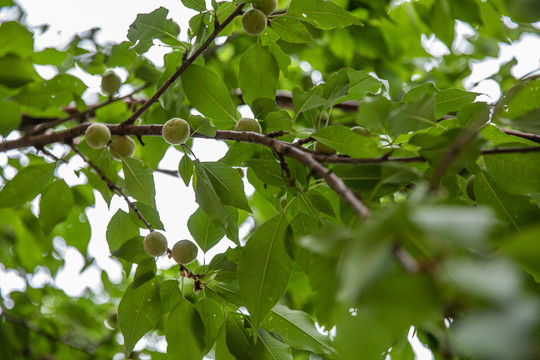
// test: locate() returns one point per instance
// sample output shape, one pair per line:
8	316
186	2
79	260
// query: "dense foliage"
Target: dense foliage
425	216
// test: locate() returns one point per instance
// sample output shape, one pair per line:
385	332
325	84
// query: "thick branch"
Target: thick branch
218	28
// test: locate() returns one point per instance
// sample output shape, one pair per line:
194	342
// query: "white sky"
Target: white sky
175	202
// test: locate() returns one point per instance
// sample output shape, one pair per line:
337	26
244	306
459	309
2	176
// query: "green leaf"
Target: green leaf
184	333
290	29
208	93
516	173
269	39
258	73
170	295
268	171
347	142
201	125
185	168
335	88
131	251
514	210
56	92
270	348
360	84
206	195
205	233
11	116
325	15
148	27
138	313
227	183
149	213
15	71
278	120
415	115
146	270
264	269
298	330
450	100
26	185
197	5
15	39
238	337
139	179
55	205
304	101
213	318
120	229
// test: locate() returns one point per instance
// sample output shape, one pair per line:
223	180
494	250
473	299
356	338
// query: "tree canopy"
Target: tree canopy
386	197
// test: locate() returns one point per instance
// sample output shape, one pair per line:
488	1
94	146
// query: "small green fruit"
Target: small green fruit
110	83
176	131
469	188
361	131
266	6
254	21
155	244
248	124
320	147
122	147
184	252
97	136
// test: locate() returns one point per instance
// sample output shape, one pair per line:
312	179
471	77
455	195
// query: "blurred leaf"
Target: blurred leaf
55	205
15	71
505	169
26	185
15	40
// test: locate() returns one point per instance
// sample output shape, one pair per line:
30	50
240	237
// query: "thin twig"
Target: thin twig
82	115
19	321
218	28
113	187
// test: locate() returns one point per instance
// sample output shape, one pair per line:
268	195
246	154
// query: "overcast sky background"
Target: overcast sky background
175	202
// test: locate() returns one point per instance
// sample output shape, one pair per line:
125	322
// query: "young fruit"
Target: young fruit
155	244
361	131
184	252
97	136
110	83
122	146
320	147
254	21
248	124
176	131
266	6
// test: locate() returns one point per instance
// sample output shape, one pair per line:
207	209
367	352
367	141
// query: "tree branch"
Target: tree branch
217	29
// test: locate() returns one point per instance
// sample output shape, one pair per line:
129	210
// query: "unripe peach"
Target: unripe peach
248	124
122	147
176	131
184	252
155	244
266	6
97	136
254	21
110	83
